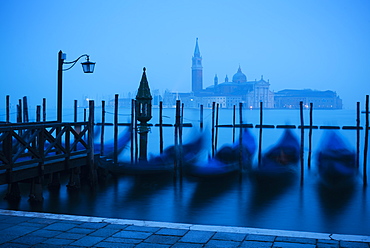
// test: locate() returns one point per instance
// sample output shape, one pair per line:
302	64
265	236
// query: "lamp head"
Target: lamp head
88	67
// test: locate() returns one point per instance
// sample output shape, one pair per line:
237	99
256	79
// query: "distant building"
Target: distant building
228	94
290	99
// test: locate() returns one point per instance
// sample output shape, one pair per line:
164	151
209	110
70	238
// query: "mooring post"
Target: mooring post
216	136
234	118
177	125
358	135
38	113
310	137
213	129
160	127
25	109
132	130
260	138
241	136
19	111
115	134
302	139
102	128
201	117
43	109
92	166
136	134
7	109
366	139
180	139
75	111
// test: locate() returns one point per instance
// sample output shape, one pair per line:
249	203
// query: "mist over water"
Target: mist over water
233	201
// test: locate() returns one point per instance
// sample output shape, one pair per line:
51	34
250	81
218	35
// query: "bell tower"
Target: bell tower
196	71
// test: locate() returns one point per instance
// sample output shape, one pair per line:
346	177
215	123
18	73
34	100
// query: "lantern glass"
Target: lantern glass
88	67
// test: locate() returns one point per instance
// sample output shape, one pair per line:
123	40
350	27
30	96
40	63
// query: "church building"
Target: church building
229	93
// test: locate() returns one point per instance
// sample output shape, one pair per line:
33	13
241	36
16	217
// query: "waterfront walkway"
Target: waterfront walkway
29	229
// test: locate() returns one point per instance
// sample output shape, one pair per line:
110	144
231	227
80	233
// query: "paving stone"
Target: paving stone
256	244
279	244
257	237
60	227
162	239
29	240
132	234
123	240
116	226
186	245
92	225
142	228
324	245
81	230
38	225
46	233
18	230
150	245
296	240
15	220
42	221
4	226
222	244
71	236
55	241
229	236
104	232
197	237
87	241
349	244
114	245
7	238
14	245
172	232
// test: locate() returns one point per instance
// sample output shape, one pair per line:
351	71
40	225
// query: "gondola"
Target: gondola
228	160
336	162
162	163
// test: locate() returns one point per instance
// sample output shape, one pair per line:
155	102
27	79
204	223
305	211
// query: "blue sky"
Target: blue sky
323	45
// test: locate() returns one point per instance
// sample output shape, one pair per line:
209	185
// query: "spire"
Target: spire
144	90
226	79
215	80
196	51
239	69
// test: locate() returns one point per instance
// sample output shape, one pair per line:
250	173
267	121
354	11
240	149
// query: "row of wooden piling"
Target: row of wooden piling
214	128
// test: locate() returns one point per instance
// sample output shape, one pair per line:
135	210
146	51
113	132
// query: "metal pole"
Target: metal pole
60	79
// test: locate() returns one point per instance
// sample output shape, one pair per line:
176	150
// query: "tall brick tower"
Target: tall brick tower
197	71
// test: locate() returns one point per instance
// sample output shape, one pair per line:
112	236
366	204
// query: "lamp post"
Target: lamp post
143	112
88	67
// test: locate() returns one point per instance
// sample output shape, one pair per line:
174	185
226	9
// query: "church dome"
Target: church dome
239	77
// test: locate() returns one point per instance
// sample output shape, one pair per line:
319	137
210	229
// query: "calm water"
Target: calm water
234	201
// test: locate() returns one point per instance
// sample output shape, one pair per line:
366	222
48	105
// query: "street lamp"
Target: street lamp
88	67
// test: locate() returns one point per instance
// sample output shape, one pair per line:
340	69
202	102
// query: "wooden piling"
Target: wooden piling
160	127
177	125
25	109
358	135
136	133
43	109
201	117
216	135
133	130
366	140
115	132
260	137
38	113
7	109
91	162
310	137
19	111
240	136
213	129
102	133
234	116
302	139
75	105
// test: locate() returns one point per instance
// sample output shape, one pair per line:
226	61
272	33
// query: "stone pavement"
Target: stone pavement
28	229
